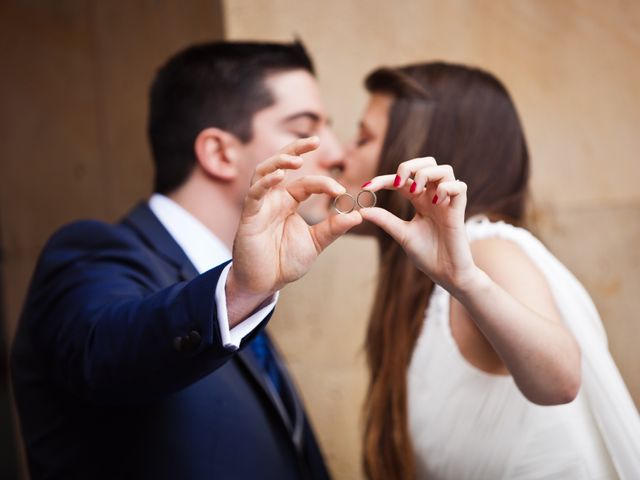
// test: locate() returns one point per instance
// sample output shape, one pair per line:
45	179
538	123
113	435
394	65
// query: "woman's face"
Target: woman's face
363	153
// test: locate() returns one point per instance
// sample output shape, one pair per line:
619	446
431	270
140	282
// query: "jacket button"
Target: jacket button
178	344
195	338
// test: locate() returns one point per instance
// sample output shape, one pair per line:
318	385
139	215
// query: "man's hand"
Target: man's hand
274	245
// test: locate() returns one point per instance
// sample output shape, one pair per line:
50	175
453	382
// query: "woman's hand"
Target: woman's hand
505	295
435	239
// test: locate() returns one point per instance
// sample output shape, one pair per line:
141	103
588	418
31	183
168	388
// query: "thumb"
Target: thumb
325	232
387	221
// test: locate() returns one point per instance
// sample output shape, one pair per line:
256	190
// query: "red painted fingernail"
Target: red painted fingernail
366	185
435	199
396	182
413	187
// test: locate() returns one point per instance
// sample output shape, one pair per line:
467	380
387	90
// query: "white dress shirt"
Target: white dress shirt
206	251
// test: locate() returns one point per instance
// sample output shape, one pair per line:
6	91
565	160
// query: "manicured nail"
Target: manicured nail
396	182
413	187
366	185
435	199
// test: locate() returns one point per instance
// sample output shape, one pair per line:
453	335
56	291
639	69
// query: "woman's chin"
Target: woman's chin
365	229
315	209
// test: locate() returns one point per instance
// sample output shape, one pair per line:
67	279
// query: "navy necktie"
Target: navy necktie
262	351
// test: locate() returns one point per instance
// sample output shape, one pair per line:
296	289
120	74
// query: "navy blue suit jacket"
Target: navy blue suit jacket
119	370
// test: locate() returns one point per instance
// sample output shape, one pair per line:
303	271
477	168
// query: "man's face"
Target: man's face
297	112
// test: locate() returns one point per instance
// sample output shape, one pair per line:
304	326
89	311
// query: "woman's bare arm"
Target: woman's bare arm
518	325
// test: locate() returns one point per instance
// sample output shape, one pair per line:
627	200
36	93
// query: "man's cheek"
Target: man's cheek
311	165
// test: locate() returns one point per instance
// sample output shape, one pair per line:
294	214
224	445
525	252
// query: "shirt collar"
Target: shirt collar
201	246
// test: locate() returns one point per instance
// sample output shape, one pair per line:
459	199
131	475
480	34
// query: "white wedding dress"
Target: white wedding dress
468	424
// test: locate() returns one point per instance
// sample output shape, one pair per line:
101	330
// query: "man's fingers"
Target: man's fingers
259	189
325	232
280	161
386	220
301	146
288	158
304	187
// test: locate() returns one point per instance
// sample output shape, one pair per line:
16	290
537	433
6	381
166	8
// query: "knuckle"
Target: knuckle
424	172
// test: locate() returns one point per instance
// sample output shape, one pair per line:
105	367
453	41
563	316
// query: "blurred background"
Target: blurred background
73	100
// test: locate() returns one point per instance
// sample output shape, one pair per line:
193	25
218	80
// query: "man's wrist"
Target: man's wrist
241	302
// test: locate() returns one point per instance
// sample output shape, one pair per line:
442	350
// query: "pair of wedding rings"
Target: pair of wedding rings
345	203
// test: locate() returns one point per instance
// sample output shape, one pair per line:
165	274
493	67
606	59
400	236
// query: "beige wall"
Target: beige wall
72	131
572	67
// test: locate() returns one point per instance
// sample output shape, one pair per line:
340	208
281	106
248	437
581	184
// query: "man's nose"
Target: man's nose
333	153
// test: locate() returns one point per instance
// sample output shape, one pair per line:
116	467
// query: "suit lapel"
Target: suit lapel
246	358
298	411
147	225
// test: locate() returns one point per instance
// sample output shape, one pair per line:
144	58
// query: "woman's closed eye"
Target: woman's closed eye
362	141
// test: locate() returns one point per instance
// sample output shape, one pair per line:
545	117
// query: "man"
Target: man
130	359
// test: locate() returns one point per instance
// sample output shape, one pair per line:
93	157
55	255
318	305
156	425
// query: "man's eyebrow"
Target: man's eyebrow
314	117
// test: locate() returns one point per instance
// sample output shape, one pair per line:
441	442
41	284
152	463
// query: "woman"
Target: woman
479	339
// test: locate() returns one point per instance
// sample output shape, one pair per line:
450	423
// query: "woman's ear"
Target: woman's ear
216	152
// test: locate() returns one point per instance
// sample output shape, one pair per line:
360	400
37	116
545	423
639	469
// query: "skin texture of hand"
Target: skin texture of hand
435	239
274	246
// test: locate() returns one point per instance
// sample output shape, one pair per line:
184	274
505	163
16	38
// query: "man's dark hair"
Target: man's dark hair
218	84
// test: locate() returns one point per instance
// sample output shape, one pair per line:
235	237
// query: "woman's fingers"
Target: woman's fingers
405	171
394	226
380	182
455	190
412	187
386	182
325	232
287	158
436	174
304	187
408	169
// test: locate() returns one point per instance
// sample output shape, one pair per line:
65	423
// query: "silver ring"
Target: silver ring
373	194
335	204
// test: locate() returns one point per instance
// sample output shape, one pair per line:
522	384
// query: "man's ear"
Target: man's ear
217	153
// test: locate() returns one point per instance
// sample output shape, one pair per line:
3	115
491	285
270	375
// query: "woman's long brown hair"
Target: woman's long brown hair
463	117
